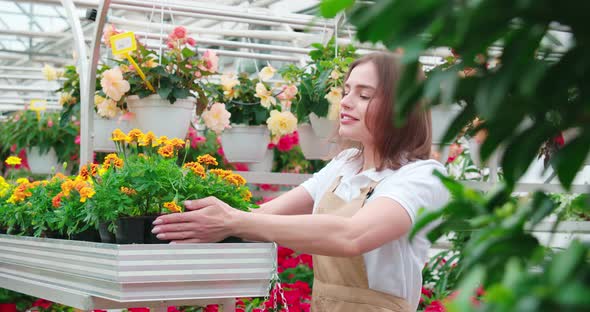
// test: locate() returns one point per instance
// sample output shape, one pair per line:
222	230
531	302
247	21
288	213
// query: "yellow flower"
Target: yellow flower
163	140
166	151
134	135
281	123
85	193
67	186
118	135
228	81
222	173
22	181
196	168
66	98
113	84
216	117
148	139
207	160
265	96
177	143
150	63
49	72
246	195
266	73
334	97
235	179
13	161
102	171
172	207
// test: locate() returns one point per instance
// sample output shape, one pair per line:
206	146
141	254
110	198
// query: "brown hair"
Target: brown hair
394	146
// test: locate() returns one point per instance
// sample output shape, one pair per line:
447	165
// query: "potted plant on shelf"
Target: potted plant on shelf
317	105
163	102
248	115
47	143
149	176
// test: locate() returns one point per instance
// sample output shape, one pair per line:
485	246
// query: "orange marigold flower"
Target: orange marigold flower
85	193
236	179
172	207
176	142
56	200
246	195
166	151
93	169
163	140
78	185
118	135
84	173
148	139
59	176
207	160
196	168
119	163
222	173
67	186
134	135
128	191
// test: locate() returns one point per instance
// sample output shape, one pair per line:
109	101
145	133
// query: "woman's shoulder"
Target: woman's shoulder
346	154
426	167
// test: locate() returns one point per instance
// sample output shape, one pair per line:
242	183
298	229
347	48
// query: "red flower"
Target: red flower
211	308
435	306
269	187
172	309
284	252
307	260
42	303
139	309
427	292
559	140
241	167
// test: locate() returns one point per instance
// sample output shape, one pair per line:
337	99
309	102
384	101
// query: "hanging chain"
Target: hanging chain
275	283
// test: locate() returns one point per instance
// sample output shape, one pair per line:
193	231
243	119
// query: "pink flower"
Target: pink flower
435	306
190	41
288	92
113	83
171	44
241	167
108	32
77	139
454	151
42	303
287	142
211	61
216	117
49	123
269	187
178	32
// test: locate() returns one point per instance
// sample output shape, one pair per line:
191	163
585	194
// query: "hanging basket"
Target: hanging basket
265	165
322	126
152	113
103	129
245	143
43	163
313	146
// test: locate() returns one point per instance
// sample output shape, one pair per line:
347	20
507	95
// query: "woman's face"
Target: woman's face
359	90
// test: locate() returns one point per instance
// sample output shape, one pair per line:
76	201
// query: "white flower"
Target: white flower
49	72
107	108
229	81
281	123
266	73
265	96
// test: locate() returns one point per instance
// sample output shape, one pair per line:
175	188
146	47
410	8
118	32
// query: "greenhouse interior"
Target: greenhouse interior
198	156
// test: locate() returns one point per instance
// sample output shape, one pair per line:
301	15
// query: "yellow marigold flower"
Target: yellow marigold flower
119	135
163	140
67	186
134	135
59	176
119	163
93	169
235	179
196	168
222	173
172	207
80	184
128	191
246	195
102	171
166	151
22	181
85	193
114	160
13	161
84	173
148	139
207	160
176	142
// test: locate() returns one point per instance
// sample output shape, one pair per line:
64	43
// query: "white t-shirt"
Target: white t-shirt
395	267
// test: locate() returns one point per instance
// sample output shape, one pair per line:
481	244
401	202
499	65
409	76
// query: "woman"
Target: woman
363	259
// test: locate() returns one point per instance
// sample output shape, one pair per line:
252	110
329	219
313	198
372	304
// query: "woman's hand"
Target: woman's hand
206	221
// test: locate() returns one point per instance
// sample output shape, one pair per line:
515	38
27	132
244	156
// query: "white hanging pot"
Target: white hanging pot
442	117
43	163
322	126
313	146
155	114
103	129
245	143
265	165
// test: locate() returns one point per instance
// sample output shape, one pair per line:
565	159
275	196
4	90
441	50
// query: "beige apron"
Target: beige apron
340	283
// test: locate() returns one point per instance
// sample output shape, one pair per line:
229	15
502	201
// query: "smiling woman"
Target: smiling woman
354	215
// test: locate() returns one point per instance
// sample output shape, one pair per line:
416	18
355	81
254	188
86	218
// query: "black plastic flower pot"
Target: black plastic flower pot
130	230
88	235
54	234
105	235
149	237
232	239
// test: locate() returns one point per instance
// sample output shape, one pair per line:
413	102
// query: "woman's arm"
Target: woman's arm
295	202
378	222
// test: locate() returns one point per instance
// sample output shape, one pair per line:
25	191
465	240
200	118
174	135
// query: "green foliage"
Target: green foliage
315	79
28	129
22	301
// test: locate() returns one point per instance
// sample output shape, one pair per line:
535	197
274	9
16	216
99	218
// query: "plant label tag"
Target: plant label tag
123	43
38	105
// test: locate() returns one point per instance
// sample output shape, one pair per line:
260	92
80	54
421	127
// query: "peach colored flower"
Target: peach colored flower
216	117
288	92
211	61
109	31
229	81
281	123
265	96
107	108
334	97
113	84
266	73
